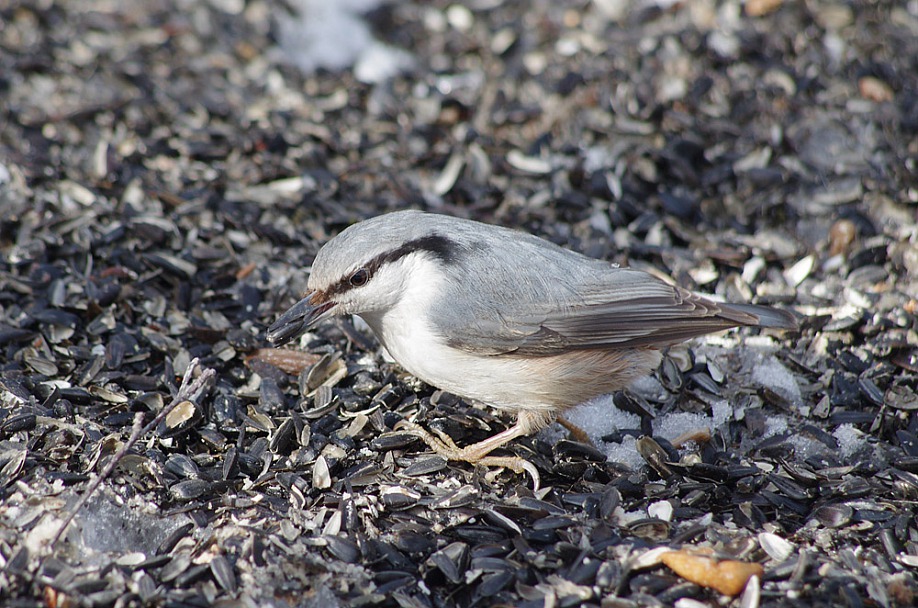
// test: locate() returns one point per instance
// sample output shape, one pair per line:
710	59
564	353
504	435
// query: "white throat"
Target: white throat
404	329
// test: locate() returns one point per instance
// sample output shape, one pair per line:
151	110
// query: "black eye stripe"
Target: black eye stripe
439	246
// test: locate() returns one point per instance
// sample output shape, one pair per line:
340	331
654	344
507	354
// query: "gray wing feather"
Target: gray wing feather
596	307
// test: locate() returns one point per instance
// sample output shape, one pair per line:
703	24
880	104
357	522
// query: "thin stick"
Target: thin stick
186	391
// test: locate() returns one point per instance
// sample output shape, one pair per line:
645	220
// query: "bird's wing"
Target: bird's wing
614	308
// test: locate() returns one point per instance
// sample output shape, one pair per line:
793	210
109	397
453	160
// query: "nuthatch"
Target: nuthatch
503	318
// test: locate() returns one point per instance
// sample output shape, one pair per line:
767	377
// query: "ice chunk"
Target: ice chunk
850	440
599	418
553	434
805	446
624	453
768	372
722	413
649	388
775	425
103	525
675	424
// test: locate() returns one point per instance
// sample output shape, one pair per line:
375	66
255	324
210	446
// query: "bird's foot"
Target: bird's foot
477	453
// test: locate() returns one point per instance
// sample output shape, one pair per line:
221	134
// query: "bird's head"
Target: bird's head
366	270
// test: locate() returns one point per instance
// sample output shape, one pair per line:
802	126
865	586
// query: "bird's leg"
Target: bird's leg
528	421
577	433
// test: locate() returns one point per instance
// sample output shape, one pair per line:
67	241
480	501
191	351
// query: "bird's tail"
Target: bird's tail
767	316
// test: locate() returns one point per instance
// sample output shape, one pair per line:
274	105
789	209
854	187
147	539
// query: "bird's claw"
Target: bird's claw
444	446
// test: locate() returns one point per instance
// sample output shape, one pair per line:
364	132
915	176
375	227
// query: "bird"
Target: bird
503	318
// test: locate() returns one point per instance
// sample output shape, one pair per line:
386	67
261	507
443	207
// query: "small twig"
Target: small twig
186	391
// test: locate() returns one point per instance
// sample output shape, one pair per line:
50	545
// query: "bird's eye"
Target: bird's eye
359	278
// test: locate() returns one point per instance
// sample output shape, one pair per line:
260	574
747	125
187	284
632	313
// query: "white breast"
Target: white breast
404	331
410	339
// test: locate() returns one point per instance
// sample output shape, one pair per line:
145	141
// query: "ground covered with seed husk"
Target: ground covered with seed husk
167	173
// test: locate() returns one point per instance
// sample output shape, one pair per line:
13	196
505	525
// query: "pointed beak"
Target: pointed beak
298	318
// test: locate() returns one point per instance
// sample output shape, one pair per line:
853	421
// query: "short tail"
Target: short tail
766	316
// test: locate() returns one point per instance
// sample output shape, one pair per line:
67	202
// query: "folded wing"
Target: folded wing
618	308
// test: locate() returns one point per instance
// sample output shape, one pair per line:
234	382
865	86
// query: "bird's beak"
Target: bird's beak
298	318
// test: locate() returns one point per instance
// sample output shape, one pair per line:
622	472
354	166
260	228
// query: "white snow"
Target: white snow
768	372
334	36
675	424
805	446
850	440
624	453
600	417
722	411
758	367
775	425
649	388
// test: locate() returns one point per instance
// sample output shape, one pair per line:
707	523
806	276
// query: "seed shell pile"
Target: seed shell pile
168	171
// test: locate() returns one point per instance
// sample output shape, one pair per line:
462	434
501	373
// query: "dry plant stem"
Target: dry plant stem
186	391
